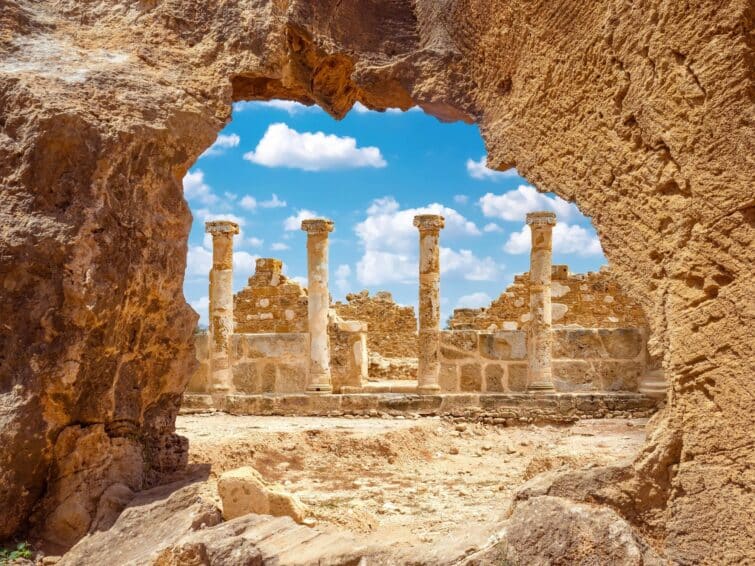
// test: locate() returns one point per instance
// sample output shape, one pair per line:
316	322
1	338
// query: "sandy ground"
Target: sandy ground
407	481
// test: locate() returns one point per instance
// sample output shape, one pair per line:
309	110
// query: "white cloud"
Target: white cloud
491	227
248	202
390	242
389	228
343	273
473	300
288	106
294	222
515	204
255	242
360	108
567	239
197	190
282	146
204	215
273	202
279	246
300	280
202	305
479	170
199	261
461	199
469	265
223	142
243	263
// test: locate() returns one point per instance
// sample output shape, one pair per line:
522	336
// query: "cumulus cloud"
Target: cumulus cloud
202	305
195	188
390	243
273	202
479	170
289	106
255	242
515	204
248	203
461	199
282	146
300	280
360	108
473	300
567	239
491	227
199	261
343	273
293	222
279	246
223	142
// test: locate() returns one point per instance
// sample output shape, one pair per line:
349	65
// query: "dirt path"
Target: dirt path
406	481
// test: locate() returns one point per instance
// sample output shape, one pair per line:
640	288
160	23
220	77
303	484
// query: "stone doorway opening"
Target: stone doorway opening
371	344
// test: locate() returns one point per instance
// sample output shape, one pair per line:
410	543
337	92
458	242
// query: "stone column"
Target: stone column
319	378
428	368
221	303
539	334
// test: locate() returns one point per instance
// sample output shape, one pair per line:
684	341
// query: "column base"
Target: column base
541	387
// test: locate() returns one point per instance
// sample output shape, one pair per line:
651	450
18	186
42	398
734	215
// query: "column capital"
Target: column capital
429	222
317	225
541	218
221	227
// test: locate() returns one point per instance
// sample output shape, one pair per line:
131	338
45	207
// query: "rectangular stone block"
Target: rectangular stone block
449	378
471	377
275	345
246	378
200	379
505	345
292	378
580	344
202	346
618	375
574	375
495	378
622	342
517	377
458	344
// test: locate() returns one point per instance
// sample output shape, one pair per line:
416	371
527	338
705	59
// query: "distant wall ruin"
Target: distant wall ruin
392	327
590	300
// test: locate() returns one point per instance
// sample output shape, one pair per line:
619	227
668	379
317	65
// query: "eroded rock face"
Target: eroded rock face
637	111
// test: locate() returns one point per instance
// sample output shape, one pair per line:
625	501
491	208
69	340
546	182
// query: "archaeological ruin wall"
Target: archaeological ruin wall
587	300
392	327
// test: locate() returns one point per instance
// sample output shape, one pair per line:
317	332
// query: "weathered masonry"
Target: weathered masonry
551	331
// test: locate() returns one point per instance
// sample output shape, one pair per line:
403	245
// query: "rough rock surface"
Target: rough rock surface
180	525
552	530
244	490
639	112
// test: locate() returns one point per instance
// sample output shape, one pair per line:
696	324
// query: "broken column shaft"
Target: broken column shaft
428	369
221	303
319	378
539	334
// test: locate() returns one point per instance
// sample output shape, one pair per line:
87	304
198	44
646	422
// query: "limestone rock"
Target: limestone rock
179	525
552	530
244	491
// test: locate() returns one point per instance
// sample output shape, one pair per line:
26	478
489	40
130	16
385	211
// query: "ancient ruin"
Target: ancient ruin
640	113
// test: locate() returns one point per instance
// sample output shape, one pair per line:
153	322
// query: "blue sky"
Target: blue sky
279	162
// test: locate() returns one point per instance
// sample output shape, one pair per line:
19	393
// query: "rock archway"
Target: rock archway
640	112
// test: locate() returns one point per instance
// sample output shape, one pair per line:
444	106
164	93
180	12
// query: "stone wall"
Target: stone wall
279	362
600	359
392	327
270	302
591	300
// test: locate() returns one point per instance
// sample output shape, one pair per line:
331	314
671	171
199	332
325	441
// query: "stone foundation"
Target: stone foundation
501	409
584	359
